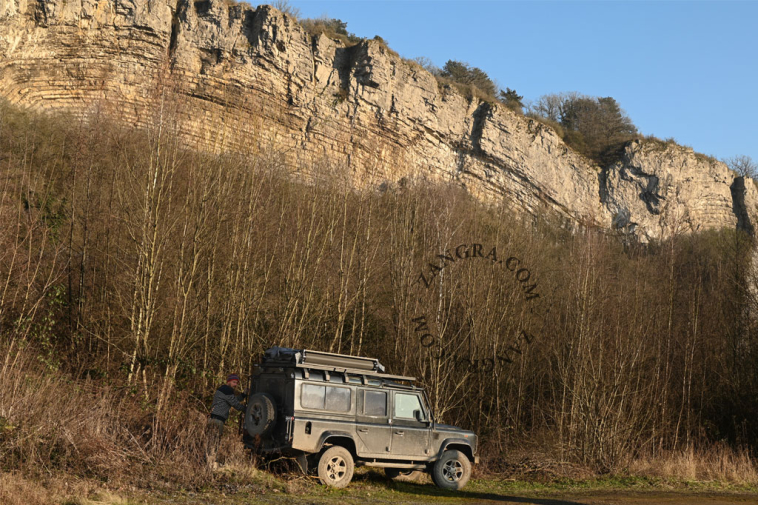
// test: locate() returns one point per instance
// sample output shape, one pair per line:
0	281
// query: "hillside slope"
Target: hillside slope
251	79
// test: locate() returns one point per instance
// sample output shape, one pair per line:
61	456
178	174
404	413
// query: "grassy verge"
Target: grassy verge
373	487
236	484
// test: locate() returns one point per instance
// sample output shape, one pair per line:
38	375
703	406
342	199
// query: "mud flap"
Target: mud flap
302	462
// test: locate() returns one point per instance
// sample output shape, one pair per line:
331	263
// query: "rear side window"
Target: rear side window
375	403
312	397
325	398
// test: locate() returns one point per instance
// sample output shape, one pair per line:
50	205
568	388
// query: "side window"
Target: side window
337	399
312	397
375	403
325	397
405	404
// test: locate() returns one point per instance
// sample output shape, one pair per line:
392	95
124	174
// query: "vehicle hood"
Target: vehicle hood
453	429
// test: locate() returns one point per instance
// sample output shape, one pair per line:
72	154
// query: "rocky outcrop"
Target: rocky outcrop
248	80
659	189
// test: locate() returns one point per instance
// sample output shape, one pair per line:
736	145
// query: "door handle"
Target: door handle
401	433
363	430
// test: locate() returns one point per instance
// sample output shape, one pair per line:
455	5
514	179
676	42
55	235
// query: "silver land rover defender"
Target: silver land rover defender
332	412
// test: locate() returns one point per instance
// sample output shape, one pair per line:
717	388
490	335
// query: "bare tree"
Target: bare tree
743	165
286	8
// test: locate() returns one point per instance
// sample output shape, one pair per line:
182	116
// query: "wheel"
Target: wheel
452	470
261	415
335	467
402	474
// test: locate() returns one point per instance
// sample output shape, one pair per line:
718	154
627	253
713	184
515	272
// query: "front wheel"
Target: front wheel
452	471
335	467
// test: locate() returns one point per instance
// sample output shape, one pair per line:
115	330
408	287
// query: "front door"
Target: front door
410	437
374	429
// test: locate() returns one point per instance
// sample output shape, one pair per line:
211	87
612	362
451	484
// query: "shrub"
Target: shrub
596	127
428	65
512	100
332	28
286	8
548	122
463	73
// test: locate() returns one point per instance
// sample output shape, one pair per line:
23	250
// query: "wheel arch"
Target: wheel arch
458	445
340	438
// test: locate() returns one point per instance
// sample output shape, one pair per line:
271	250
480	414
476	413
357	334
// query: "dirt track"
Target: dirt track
600	498
409	494
625	498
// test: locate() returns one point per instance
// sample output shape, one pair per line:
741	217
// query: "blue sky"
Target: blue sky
687	70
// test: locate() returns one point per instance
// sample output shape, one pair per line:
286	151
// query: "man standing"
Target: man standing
223	400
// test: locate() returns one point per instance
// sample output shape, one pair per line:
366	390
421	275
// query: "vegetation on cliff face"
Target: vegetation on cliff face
332	28
743	165
135	274
596	127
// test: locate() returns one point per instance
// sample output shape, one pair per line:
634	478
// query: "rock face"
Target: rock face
252	79
659	189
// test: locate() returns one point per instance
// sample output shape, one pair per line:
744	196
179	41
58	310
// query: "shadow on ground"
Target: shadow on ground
429	490
480	497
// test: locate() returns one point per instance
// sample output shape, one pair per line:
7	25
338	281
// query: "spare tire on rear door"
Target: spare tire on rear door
261	415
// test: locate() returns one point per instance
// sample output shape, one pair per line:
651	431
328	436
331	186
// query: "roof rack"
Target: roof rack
352	371
330	362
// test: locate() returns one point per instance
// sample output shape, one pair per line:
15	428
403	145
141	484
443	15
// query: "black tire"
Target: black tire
335	467
452	471
403	474
260	416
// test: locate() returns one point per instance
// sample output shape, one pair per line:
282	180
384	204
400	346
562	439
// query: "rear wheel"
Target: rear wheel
452	470
335	467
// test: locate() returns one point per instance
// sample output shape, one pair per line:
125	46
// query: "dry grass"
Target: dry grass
717	463
50	424
329	28
542	462
670	142
15	489
468	91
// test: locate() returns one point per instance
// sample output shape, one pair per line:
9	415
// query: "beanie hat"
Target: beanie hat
233	377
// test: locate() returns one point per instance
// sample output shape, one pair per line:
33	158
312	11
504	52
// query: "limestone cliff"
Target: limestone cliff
251	79
658	189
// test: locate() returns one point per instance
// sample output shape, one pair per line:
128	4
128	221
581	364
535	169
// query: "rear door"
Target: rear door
410	437
373	426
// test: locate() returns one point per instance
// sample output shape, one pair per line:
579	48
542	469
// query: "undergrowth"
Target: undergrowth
52	426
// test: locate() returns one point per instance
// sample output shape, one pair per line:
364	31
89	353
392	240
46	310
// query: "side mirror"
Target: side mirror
417	415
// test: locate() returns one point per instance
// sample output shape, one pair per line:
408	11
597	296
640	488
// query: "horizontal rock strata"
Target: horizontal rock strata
249	80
